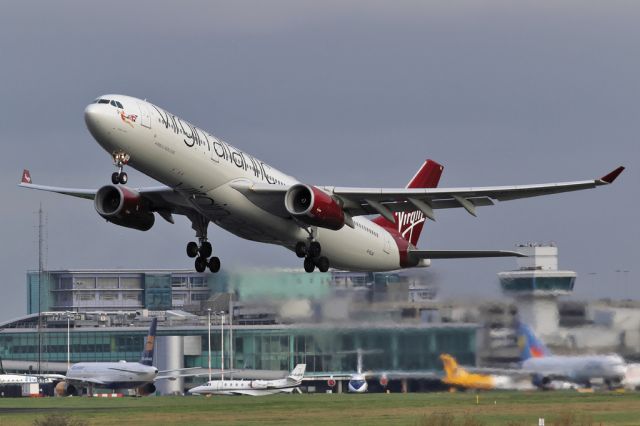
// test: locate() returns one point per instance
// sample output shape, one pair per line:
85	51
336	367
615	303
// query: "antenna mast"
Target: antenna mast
40	267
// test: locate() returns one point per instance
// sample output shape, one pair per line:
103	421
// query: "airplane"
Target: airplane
15	379
458	377
545	367
253	387
115	375
207	180
358	382
139	375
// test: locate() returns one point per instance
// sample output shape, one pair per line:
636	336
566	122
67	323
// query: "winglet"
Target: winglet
612	176
26	176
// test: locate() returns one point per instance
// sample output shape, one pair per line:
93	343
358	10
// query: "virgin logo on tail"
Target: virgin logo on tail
408	222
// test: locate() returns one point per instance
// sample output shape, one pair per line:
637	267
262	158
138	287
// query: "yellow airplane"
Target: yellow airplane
458	377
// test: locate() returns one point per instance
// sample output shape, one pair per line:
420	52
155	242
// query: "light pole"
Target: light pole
222	345
209	336
68	339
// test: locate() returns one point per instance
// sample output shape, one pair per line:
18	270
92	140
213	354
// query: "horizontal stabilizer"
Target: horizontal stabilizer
462	254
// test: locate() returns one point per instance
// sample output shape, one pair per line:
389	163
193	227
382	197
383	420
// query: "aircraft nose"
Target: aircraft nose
91	113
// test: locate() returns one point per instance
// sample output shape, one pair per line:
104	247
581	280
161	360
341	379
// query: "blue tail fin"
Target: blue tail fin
147	352
530	346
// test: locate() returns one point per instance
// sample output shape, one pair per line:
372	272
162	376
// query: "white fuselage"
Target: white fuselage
18	379
113	375
202	168
578	369
246	387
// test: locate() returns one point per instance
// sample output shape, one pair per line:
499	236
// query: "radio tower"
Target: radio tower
40	274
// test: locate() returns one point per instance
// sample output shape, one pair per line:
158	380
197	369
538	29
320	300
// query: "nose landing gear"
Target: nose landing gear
120	159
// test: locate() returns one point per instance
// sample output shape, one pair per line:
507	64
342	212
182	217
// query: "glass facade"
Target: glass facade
86	345
33	289
157	291
266	348
528	284
334	350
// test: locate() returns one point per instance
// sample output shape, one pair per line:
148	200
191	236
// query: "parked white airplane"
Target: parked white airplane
120	375
546	368
253	387
208	180
115	375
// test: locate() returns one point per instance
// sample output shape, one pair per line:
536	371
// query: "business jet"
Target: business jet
253	387
208	180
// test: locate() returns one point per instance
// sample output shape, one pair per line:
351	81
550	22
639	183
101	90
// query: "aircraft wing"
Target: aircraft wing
386	201
462	254
162	199
359	201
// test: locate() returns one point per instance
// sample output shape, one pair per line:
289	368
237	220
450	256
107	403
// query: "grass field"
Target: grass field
434	409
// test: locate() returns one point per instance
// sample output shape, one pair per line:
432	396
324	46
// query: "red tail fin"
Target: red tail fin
409	223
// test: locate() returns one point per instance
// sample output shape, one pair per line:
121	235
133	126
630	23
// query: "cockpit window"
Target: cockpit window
103	101
113	103
119	105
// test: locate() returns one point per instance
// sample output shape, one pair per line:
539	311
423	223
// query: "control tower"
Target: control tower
536	285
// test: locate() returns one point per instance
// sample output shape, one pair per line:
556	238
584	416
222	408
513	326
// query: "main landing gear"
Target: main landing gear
201	253
203	250
312	257
120	159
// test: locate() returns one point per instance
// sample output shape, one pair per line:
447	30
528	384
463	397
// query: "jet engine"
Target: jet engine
124	206
314	207
384	380
65	389
146	390
258	384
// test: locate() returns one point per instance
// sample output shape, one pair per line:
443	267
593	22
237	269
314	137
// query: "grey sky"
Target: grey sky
341	93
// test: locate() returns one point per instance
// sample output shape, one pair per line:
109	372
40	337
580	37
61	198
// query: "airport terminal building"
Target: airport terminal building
314	319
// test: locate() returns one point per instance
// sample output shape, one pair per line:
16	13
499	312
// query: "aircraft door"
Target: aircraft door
387	243
145	117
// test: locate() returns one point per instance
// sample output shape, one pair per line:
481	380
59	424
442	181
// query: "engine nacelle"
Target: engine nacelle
314	207
123	206
65	389
146	390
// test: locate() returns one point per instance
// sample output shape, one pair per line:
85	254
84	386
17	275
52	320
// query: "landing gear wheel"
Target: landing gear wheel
123	178
214	264
314	249
192	249
309	264
205	249
201	264
301	249
323	264
115	178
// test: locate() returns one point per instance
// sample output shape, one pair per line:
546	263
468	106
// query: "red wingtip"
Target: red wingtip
26	176
612	176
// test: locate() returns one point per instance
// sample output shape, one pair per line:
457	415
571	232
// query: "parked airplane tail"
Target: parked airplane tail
530	346
409	223
451	368
147	352
298	372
